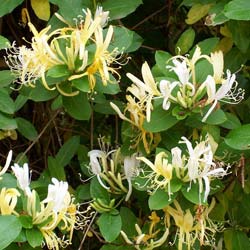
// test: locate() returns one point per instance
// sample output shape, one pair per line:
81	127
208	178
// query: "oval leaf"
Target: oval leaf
26	128
41	9
238	10
9	230
160	199
110	225
239	138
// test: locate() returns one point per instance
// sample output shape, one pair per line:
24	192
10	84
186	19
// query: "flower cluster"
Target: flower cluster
195	165
56	211
81	51
112	169
185	93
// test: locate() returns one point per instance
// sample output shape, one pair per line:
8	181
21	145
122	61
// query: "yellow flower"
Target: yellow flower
137	115
8	201
190	228
185	223
162	172
103	59
144	91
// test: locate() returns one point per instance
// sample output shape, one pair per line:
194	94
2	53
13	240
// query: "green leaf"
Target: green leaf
236	240
26	128
238	10
77	106
160	120
9	230
161	59
8	181
55	169
34	237
58	71
239	138
111	88
8	5
39	93
193	194
98	192
7	123
82	84
83	192
241	34
207	46
6	78
185	41
20	101
160	199
6	103
232	121
216	117
110	225
67	151
120	8
128	221
26	221
125	40
70	9
4	42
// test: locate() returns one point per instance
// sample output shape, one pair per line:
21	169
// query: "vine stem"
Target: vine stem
86	231
40	134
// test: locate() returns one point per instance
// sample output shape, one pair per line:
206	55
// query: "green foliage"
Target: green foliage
113	222
149	162
10	229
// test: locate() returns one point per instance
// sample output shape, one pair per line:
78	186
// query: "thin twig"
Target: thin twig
86	231
148	17
38	137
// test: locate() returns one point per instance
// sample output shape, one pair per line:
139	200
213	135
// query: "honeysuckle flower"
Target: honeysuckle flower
146	89
185	223
193	227
227	92
166	88
103	14
161	174
57	210
7	164
8	201
95	166
131	169
23	179
102	60
200	166
137	114
216	59
58	195
143	241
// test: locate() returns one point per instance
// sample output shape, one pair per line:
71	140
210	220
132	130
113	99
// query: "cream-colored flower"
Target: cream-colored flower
200	166
23	179
7	164
227	92
8	201
145	90
162	172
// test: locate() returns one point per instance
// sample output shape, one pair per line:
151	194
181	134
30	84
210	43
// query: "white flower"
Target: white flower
227	92
166	88
7	164
131	170
95	166
103	14
58	195
200	165
23	179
